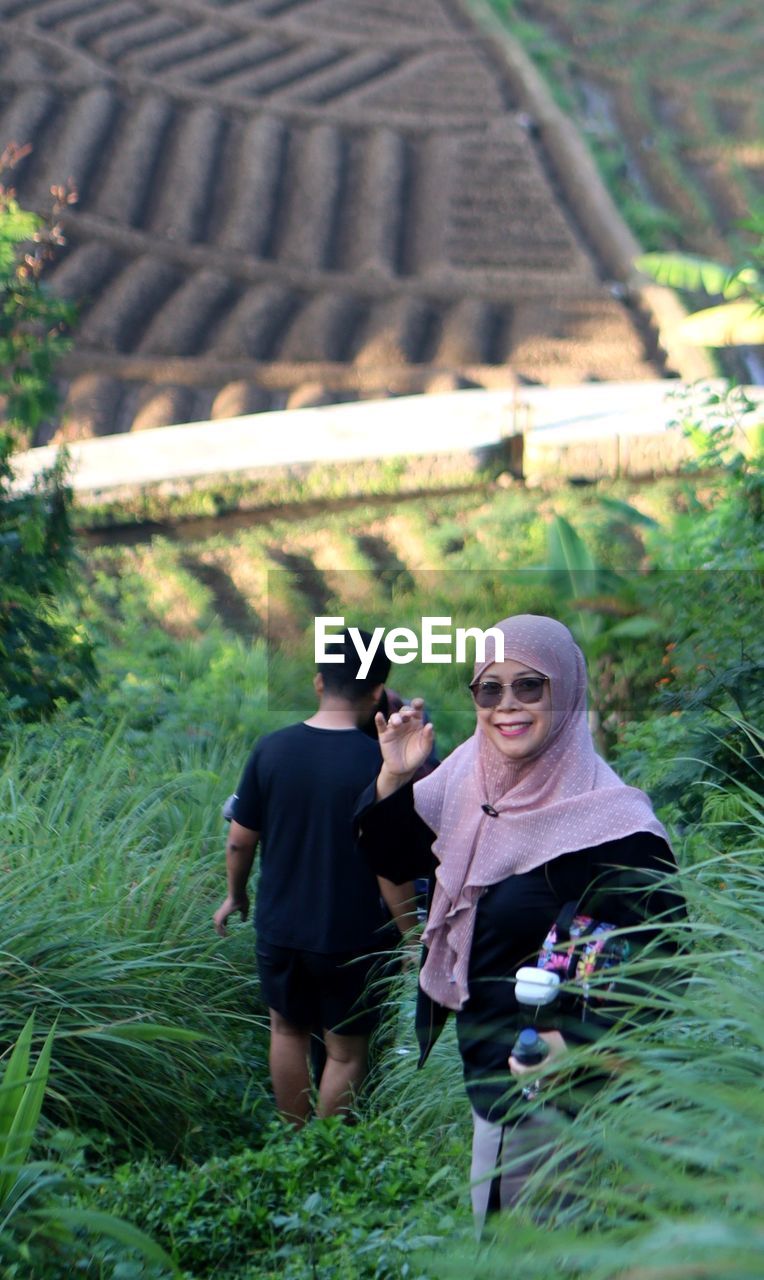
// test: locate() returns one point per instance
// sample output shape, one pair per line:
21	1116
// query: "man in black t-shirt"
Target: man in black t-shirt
320	919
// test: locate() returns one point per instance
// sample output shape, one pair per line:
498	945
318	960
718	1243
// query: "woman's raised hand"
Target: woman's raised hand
405	742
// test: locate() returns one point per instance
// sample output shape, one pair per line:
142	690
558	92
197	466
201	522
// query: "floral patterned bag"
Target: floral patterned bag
576	948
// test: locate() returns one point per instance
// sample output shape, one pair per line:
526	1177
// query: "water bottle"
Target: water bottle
529	1049
535	989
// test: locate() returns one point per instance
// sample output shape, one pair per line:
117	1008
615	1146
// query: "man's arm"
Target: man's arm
239	856
400	900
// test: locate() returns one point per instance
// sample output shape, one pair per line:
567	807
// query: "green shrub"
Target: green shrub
45	655
333	1200
706	587
33	322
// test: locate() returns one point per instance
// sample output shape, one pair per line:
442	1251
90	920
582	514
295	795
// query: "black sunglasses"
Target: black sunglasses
489	693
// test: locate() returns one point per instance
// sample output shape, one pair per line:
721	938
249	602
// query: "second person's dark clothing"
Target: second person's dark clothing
343	993
315	891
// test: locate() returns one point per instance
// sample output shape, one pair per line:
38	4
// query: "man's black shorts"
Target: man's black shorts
340	992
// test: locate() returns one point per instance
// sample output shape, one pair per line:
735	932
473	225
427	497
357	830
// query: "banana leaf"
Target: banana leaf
733	324
695	274
570	562
96	1222
626	512
21	1098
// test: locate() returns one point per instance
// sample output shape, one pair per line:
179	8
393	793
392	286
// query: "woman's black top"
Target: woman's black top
622	882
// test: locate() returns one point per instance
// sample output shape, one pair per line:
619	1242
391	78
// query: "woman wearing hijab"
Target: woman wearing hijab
521	819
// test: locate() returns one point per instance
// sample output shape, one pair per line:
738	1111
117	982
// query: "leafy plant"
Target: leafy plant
45	656
739	319
33	322
597	598
334	1200
697	766
36	1222
706	585
606	611
21	1097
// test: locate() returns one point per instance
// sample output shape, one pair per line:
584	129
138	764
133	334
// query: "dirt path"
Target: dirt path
289	201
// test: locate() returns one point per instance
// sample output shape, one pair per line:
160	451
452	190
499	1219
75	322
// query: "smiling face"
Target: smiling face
517	729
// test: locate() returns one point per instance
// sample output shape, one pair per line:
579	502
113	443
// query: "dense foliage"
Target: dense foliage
696	753
33	322
45	655
350	1202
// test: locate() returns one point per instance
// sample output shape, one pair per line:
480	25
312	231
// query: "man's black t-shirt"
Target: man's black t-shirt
299	789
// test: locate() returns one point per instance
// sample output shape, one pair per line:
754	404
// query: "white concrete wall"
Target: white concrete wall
611	417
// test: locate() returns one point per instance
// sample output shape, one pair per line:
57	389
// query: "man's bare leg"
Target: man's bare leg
344	1073
290	1071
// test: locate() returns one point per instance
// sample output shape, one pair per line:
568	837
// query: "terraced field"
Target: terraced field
288	201
676	87
270	578
467	556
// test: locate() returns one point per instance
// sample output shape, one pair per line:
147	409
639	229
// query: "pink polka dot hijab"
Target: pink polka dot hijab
562	798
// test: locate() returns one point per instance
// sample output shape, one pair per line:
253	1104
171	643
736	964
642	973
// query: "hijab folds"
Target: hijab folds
562	798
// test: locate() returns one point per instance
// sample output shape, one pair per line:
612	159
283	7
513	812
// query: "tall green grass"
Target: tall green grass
112	864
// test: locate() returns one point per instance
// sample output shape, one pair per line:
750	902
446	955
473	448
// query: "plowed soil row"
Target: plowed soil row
287	202
271	578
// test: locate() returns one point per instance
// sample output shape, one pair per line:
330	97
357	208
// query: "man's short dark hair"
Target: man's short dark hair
341	678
